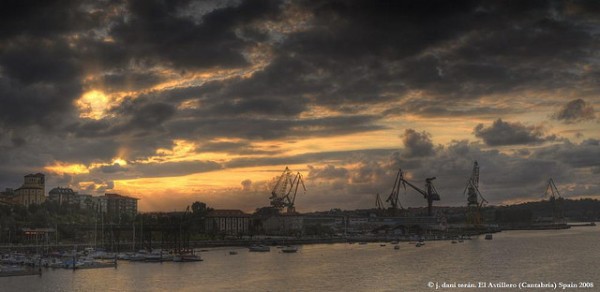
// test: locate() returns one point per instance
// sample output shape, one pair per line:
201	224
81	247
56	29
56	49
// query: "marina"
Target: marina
511	256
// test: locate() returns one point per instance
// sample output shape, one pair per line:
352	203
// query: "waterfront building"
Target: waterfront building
283	224
33	190
94	203
6	197
63	196
37	235
100	204
117	205
227	222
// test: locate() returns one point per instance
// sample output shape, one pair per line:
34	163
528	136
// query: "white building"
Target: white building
228	222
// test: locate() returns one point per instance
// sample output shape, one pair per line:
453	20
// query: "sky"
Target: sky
180	101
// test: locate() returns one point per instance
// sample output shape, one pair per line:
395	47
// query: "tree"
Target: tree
199	209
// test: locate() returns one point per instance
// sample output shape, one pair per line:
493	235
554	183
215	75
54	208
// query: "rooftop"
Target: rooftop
117	196
227	212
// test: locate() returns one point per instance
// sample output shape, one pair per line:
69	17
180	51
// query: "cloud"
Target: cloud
114	168
167	169
323	157
274	73
246	185
417	144
585	154
237	148
502	133
157	31
575	111
328	172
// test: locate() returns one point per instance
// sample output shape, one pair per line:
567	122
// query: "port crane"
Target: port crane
430	193
474	198
284	192
554	198
378	202
393	197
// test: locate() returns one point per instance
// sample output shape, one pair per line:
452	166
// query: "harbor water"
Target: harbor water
512	257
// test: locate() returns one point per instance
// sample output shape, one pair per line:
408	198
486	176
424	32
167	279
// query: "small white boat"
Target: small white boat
396	246
419	244
289	249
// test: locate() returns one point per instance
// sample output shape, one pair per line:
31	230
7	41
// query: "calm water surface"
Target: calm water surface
512	257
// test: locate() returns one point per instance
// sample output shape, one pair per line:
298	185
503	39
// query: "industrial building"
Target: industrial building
228	222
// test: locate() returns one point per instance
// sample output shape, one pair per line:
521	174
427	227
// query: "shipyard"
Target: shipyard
179	236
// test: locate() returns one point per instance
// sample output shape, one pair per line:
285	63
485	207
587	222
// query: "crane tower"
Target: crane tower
474	198
555	199
430	194
284	192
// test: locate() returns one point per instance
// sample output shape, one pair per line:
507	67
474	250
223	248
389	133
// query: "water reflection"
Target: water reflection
553	255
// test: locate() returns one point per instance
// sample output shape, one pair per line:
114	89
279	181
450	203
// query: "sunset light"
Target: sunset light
93	105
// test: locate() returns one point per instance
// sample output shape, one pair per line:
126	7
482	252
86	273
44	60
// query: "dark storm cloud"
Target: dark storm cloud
431	108
41	104
156	31
41	18
40	67
502	133
575	111
38	82
30	61
585	154
472	48
269	129
258	106
151	115
417	144
138	117
359	53
83	151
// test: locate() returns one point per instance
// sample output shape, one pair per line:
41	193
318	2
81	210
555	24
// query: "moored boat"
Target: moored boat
259	248
10	271
181	258
289	249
